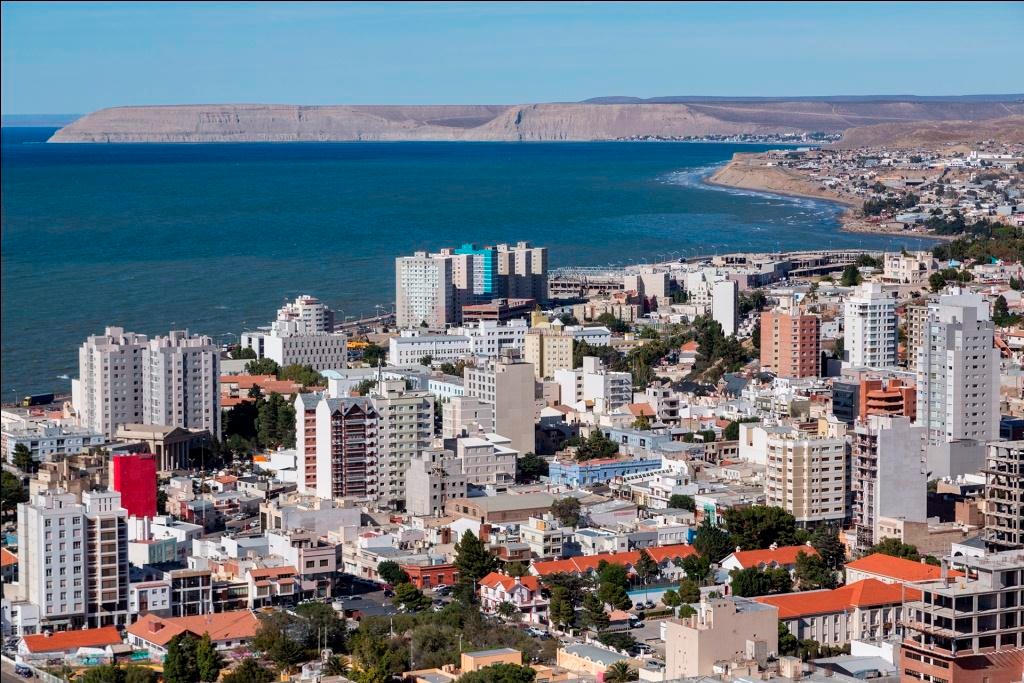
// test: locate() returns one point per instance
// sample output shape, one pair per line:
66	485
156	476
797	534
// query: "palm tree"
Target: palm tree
620	672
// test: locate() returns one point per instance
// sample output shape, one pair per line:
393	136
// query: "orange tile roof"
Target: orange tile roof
507	582
273	572
66	641
236	625
7	558
638	409
898	568
866	593
689	346
784	556
580	565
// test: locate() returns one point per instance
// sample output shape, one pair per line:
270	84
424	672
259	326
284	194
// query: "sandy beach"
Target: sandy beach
748	172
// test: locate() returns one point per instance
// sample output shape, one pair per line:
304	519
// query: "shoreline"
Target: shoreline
739	174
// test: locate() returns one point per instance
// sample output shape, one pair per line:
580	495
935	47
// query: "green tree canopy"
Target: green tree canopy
13	492
712	541
273	638
851	276
391	572
759	526
321	626
567	511
374	355
680	501
410	597
825	539
646	568
697	568
249	671
895	548
594	616
689	591
180	663
22	459
262	366
620	672
752	582
208	660
561	607
812	573
303	374
530	467
474	561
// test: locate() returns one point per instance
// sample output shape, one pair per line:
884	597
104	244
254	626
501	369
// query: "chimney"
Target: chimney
944	571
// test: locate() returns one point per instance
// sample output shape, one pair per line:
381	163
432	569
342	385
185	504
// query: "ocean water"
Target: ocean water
214	237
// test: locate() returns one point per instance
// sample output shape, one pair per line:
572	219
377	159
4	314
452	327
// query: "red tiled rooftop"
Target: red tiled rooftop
507	582
866	593
64	641
579	565
237	625
784	556
898	568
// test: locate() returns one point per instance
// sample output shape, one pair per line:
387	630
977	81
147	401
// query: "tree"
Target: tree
474	561
374	355
500	673
759	526
697	568
22	459
617	640
646	568
322	626
561	607
895	548
273	639
516	569
752	582
812	573
433	646
427	360
530	467
574	586
670	598
410	597
642	423
679	501
180	665
13	492
597	445
262	366
688	591
612	583
712	541
851	276
788	644
825	539
113	673
594	616
507	610
391	572
240	353
139	674
620	672
613	323
305	375
335	666
208	659
567	511
249	671
1001	313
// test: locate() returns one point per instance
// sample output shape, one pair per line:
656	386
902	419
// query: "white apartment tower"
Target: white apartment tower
725	305
180	375
310	315
406	420
424	291
51	558
958	371
108	391
871	337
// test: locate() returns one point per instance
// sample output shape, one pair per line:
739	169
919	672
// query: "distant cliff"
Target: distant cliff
568	121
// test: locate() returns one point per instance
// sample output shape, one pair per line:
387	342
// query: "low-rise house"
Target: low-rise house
271	586
584	658
228	630
772	558
723	630
148	597
867	610
65	644
522	592
664	556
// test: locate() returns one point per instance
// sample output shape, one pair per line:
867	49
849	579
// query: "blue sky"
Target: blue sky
78	57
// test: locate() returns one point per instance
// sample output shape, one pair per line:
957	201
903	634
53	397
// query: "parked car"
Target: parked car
441	587
23	671
388	593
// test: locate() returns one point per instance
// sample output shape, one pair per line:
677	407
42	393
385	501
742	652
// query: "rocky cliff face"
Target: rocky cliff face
570	121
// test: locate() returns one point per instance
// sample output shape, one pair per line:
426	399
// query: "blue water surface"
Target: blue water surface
214	237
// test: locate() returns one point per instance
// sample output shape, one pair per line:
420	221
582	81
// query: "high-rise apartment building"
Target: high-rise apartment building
434	477
594	382
791	343
486	283
125	378
725	305
346	448
424	291
108	390
524	270
915	317
406	427
51	558
180	382
302	334
548	349
461	415
889	477
73	558
508	384
970	628
106	541
1004	495
806	475
871	336
958	371
310	315
305	441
